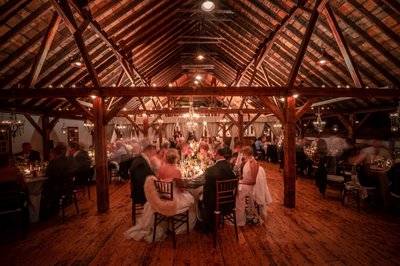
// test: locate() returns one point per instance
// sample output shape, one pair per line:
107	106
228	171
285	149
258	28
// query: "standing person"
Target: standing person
60	179
141	168
237	169
246	185
28	154
221	170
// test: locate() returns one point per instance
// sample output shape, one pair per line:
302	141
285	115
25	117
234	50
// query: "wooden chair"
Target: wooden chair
13	205
225	205
68	196
137	208
83	180
166	192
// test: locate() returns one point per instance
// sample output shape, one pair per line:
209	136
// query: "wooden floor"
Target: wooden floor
318	231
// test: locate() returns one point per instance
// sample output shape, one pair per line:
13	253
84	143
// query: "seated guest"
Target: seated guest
28	154
119	152
158	160
221	170
82	159
250	171
80	156
60	173
10	173
11	178
141	168
394	178
169	170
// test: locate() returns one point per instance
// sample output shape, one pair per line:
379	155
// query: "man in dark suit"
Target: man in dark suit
60	173
140	169
82	159
221	170
28	153
80	156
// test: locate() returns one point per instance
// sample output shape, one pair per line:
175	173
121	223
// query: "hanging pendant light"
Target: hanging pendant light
15	125
319	125
395	120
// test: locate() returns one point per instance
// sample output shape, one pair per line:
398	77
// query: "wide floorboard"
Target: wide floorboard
318	231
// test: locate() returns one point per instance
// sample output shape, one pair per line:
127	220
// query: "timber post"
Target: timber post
289	173
100	144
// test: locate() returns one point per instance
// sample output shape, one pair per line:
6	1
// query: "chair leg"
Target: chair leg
234	222
76	203
358	200
62	210
133	213
343	197
155	227
216	229
173	231
88	189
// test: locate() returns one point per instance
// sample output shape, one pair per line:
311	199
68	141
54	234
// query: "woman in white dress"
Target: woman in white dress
246	185
181	202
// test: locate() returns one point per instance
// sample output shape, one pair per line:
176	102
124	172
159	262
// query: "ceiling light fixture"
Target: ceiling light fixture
208	6
325	58
200	57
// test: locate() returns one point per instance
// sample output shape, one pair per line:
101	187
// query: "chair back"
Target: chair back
164	189
10	197
225	194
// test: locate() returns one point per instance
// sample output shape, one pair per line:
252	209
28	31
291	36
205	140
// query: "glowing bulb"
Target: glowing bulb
208	6
200	57
198	77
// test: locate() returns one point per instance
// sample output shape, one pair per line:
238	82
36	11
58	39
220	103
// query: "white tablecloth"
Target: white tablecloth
35	187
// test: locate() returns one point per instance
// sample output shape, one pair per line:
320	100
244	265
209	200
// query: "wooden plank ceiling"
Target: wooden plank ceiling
156	43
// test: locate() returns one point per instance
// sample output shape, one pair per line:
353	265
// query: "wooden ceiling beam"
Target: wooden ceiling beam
304	44
344	49
18	93
251	121
122	58
386	30
80	107
363	120
4	39
274	109
395	6
34	124
303	109
116	108
11	8
43	50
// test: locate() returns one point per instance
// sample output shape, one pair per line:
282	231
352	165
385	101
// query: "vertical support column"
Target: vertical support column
352	120
145	125
45	137
289	173
224	131
100	155
160	126
240	126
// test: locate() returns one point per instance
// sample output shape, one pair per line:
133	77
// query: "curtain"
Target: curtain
276	130
126	132
184	129
258	128
109	131
213	128
234	130
169	130
199	131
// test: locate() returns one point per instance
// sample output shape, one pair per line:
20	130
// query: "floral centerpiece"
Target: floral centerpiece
195	164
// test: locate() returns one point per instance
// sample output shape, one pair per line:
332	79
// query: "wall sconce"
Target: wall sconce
64	129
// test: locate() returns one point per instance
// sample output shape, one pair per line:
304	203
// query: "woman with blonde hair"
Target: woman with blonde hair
169	170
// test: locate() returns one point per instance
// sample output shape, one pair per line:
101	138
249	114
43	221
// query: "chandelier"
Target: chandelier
119	128
16	126
89	126
394	120
191	118
319	125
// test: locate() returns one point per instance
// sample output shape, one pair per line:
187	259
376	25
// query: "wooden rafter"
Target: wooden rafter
344	49
134	123
116	108
274	109
251	121
363	120
9	9
303	109
43	50
88	114
304	43
34	124
17	93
